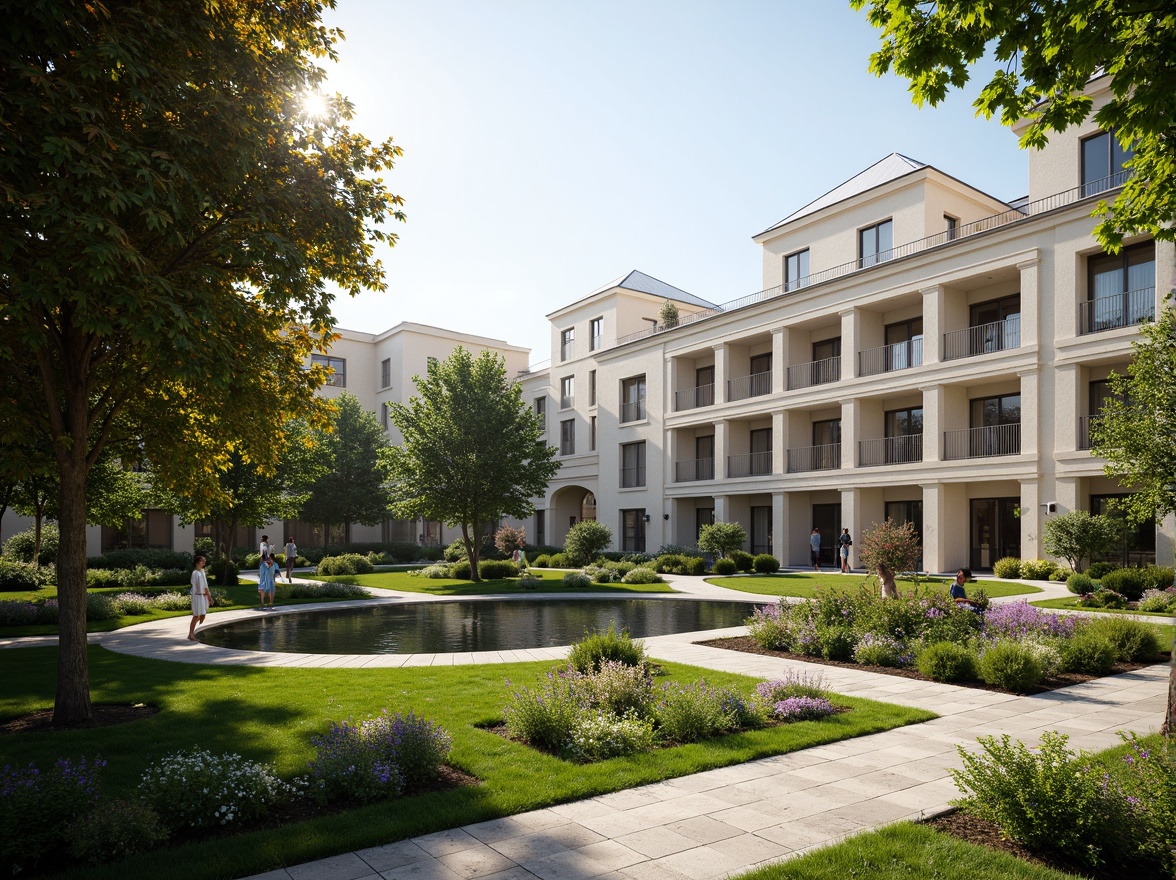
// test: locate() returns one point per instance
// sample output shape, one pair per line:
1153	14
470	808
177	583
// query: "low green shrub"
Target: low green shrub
1010	664
1079	584
641	575
528	581
1007	567
1132	641
743	561
543	560
460	570
1061	575
875	649
770	626
725	566
496	569
196	789
1097	569
118	828
1038	569
946	661
1158	577
1087	652
1158	600
1131	582
838	642
456	551
20	547
598	736
689	713
21	576
347	563
576	580
604	646
21	612
151	559
1101	598
332	590
560	560
676	563
619	688
543	716
438	571
99	606
765	563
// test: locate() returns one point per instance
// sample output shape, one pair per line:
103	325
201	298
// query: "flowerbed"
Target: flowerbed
100	606
1012	646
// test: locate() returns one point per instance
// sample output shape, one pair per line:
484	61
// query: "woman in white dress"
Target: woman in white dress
201	598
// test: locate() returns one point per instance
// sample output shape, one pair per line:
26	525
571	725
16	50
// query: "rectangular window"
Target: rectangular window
151	531
875	243
384	415
596	334
761	451
592	387
592	434
541	412
796	270
632	465
1103	158
1120	288
337	379
904	344
904	435
567	437
704	386
567	392
827	348
953	226
633	399
567	344
1138	546
385	372
633	530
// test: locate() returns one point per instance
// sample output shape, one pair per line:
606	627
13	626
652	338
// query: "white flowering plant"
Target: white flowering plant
197	789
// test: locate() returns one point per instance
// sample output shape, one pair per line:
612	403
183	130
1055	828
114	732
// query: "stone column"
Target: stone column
932	323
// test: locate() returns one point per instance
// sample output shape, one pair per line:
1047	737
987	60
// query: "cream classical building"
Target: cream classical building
921	350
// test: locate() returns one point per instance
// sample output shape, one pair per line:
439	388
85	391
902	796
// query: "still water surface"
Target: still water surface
445	627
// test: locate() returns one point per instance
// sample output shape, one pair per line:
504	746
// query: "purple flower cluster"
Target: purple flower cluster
1016	620
802	709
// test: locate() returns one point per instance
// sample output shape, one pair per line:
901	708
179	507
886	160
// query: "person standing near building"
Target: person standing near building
844	542
815	548
291	555
201	598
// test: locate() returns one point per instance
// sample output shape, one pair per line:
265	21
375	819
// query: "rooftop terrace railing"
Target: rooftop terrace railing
1093	189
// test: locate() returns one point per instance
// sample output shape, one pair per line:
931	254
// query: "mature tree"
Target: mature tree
1045	54
173	227
721	538
586	540
473	451
1135	432
350	487
1077	535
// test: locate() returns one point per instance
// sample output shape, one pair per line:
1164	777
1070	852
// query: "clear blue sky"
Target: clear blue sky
550	146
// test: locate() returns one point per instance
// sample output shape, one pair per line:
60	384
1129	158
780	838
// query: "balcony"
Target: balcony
1121	310
982	442
890	450
814	458
814	373
634	411
1084	425
752	464
755	385
694	470
693	398
899	356
983	339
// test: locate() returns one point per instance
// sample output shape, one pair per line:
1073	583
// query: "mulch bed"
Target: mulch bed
748	645
101	716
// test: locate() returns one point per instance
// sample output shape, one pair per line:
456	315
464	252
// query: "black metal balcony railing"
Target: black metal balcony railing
1121	310
1084	423
890	450
750	464
897	356
983	339
814	458
814	373
633	411
692	398
694	469
964	230
632	477
755	385
982	442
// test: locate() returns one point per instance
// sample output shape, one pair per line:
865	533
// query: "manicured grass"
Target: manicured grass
403	581
270	715
243	596
907	851
1072	602
805	586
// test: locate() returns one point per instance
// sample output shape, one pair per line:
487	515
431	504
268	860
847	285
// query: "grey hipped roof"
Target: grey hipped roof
891	168
643	283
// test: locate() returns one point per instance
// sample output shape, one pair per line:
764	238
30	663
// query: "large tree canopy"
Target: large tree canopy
1046	53
473	451
173	227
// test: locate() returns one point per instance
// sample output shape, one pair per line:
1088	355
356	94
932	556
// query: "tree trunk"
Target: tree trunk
1169	727
227	569
471	553
72	706
37	540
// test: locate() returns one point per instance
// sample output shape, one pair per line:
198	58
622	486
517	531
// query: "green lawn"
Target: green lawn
243	596
403	581
270	715
805	586
1072	602
905	851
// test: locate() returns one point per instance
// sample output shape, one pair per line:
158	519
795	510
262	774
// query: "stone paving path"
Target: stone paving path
720	822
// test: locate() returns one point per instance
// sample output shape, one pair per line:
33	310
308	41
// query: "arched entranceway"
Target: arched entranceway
568	506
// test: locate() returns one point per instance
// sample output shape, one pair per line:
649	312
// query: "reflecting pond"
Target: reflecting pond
447	627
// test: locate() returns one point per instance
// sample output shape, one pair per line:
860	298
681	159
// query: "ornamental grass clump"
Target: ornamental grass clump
599	646
688	713
36	808
197	789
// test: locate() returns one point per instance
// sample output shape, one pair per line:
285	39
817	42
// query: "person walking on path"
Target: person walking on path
291	555
886	579
201	598
815	548
844	542
267	580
